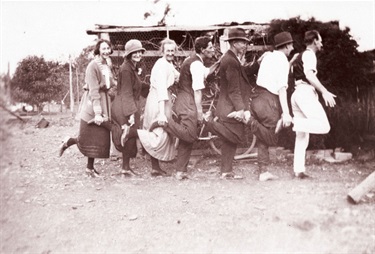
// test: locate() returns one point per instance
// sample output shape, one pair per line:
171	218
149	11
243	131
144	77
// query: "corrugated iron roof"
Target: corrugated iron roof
100	28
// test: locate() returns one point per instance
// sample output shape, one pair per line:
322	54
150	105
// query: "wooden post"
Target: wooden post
77	85
7	85
365	186
71	85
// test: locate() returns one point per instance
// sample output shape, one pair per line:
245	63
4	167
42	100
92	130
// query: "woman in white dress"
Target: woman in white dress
158	143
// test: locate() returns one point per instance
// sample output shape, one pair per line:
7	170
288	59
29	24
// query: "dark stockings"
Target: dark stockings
71	141
155	164
90	163
125	162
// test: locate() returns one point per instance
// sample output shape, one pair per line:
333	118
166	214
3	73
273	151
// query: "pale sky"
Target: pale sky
55	29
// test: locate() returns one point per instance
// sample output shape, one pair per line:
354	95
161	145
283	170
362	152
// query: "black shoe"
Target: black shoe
128	173
302	175
63	147
158	172
92	172
180	175
230	175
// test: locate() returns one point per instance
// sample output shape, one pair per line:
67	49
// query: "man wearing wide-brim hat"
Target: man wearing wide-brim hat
234	96
270	100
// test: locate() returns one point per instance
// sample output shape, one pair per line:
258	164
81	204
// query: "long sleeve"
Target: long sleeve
126	83
93	80
233	75
159	79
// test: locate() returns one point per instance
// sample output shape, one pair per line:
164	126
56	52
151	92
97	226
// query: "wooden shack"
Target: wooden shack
151	36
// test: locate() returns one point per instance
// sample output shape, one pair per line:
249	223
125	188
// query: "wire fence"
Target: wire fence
151	38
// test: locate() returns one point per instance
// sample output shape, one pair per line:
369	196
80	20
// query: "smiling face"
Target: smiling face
104	50
209	51
136	57
240	46
169	51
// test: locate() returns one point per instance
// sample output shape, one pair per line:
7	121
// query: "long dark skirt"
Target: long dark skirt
93	140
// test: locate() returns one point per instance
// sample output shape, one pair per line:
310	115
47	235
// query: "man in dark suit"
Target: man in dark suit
234	96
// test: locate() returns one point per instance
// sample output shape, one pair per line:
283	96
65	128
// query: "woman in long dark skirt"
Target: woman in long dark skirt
126	105
93	140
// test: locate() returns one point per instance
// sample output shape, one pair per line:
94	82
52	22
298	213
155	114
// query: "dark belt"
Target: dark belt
102	89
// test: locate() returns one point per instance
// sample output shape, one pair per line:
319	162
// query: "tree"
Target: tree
344	71
37	81
166	12
80	65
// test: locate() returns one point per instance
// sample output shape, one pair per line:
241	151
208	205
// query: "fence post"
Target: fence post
71	85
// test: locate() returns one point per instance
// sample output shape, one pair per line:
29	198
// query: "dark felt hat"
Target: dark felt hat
236	34
282	39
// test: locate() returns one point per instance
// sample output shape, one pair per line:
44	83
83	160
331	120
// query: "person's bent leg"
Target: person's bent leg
266	134
309	114
66	145
182	131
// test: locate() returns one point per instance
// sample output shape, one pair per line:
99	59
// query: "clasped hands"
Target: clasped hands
244	116
98	119
162	120
241	115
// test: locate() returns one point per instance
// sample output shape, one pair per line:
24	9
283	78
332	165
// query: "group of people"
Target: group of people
263	108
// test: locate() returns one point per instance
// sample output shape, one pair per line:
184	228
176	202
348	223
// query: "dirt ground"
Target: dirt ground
48	205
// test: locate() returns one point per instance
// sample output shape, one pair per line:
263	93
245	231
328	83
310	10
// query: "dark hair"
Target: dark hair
129	56
310	36
97	46
201	43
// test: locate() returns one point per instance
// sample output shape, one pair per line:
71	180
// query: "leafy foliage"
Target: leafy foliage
80	64
37	81
342	70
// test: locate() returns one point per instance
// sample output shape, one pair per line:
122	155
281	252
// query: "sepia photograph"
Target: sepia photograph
173	126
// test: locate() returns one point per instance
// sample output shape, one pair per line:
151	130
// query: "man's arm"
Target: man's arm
198	103
287	119
328	97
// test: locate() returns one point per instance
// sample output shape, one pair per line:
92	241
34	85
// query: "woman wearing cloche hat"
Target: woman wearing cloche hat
126	105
